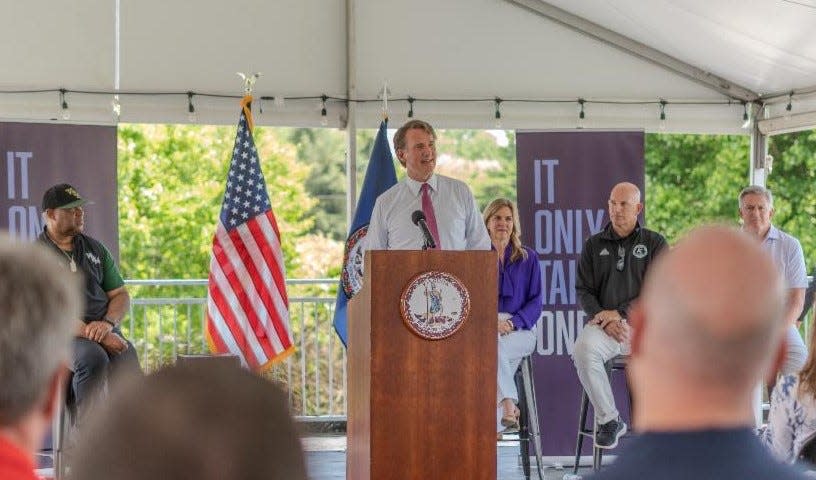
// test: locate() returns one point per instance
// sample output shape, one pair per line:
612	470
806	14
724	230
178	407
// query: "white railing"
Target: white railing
167	318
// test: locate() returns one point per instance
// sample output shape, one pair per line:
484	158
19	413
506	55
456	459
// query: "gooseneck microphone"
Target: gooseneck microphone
418	217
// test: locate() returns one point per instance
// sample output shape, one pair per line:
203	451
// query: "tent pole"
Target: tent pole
351	125
757	173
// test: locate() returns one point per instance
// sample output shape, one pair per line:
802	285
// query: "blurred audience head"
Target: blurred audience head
708	323
39	304
205	420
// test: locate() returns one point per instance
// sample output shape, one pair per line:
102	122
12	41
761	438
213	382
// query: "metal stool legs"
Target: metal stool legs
617	363
60	425
528	418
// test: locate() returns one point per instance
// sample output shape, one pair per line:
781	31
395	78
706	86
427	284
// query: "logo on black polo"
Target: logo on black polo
93	258
640	251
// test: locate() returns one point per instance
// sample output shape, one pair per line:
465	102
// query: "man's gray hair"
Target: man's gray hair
39	306
756	190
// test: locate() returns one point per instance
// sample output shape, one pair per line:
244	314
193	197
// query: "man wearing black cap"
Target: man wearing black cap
99	345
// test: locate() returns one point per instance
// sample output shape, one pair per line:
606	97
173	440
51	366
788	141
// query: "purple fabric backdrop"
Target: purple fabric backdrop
563	181
37	156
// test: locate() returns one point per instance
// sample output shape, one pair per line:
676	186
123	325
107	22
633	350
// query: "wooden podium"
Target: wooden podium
421	408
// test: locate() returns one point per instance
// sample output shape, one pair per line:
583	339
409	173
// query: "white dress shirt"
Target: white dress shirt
458	219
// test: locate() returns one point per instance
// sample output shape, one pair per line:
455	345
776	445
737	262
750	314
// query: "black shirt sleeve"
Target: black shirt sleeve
586	284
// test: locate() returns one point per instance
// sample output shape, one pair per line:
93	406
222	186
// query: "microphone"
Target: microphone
418	217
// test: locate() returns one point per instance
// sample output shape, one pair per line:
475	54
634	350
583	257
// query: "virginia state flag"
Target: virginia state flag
380	176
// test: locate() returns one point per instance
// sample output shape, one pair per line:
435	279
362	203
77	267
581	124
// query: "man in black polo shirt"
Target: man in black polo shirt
613	265
99	346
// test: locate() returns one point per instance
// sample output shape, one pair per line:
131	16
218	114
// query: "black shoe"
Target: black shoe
608	434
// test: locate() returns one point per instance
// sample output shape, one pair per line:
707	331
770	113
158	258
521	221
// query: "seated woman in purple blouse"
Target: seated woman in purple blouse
519	291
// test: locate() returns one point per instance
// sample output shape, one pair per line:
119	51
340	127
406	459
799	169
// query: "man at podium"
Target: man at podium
425	210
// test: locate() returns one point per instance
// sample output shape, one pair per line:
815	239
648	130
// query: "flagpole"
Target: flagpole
351	124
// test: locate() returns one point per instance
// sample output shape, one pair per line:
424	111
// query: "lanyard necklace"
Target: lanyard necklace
72	264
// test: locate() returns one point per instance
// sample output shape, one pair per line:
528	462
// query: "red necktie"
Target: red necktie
430	216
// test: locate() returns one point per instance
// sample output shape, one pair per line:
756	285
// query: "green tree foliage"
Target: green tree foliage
171	185
492	166
324	151
792	183
693	179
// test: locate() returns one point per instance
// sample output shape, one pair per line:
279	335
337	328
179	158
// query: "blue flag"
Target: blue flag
380	176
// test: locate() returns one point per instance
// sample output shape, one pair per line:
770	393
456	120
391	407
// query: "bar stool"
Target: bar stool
529	429
61	425
617	363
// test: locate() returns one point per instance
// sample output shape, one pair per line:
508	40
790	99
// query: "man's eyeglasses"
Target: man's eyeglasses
621	258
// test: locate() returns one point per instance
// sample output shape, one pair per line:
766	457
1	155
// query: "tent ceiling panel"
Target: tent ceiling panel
456	49
46	44
298	46
460	51
764	45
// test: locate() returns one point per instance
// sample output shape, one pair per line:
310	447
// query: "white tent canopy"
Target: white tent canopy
454	56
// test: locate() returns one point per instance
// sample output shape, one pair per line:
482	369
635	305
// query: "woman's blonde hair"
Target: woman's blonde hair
517	251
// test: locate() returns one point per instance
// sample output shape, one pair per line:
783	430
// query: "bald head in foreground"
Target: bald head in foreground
203	421
705	332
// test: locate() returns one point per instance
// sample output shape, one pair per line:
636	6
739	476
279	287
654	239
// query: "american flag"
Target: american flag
247	305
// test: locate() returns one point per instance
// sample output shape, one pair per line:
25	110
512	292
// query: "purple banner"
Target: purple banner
563	182
37	156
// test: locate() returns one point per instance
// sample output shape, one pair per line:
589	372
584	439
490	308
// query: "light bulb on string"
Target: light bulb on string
662	125
581	114
746	118
260	105
411	107
191	111
789	106
278	100
65	112
497	115
324	120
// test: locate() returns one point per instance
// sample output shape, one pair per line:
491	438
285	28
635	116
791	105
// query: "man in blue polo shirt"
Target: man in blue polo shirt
99	346
756	211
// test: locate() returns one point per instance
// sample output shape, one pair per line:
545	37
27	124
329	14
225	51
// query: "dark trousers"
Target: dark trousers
94	367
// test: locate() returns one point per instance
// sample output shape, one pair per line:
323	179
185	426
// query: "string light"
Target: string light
497	115
66	114
260	105
746	119
581	114
662	125
324	120
279	100
789	107
191	111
